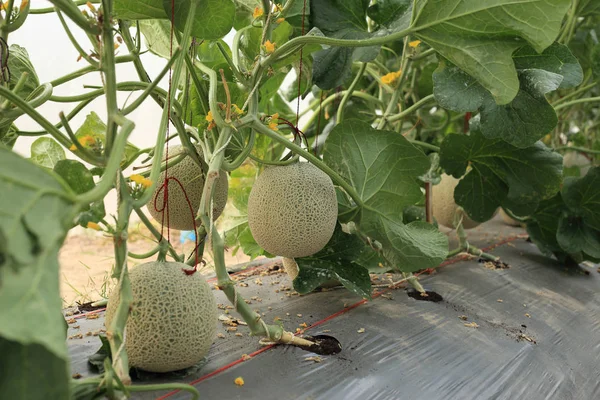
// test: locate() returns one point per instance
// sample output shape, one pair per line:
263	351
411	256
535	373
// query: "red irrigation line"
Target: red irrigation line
334	315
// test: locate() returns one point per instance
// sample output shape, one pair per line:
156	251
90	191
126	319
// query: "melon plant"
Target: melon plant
292	210
186	183
406	108
173	317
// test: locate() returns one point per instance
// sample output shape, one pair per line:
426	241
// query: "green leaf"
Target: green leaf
18	63
213	19
335	261
139	9
209	54
480	36
79	178
383	167
31	372
300	10
158	36
251	41
582	196
343	20
385	11
46	152
500	174
574	235
95	128
521	123
557	59
35	210
543	225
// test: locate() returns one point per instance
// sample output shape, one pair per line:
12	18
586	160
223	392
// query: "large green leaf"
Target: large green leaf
557	59
383	168
582	196
500	174
385	11
158	36
35	211
46	152
79	178
521	123
336	261
213	19
31	372
480	36
139	9
18	63
567	225
342	19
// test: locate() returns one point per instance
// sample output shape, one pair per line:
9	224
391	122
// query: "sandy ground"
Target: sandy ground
87	257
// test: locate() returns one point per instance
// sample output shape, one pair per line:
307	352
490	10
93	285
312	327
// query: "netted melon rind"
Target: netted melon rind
173	320
292	210
444	206
190	175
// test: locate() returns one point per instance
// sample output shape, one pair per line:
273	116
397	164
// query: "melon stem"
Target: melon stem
465	247
256	324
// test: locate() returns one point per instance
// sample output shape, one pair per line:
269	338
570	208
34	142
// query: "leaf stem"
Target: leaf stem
576	101
414	107
348	94
82	53
576	148
425	145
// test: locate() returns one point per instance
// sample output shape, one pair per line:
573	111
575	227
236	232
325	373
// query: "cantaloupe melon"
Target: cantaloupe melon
191	177
173	317
292	210
444	206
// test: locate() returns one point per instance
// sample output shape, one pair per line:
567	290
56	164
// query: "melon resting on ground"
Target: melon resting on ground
191	177
444	206
292	210
173	319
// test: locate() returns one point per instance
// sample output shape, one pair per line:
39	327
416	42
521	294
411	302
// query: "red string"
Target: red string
466	124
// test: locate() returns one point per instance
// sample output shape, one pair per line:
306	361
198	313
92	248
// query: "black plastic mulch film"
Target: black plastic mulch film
528	332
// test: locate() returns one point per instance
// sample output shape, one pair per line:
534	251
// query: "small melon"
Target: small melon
173	319
292	210
192	179
444	206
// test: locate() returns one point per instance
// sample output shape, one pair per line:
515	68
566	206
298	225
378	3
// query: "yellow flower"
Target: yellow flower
273	126
73	147
269	47
275	116
237	110
392	77
414	43
146	182
280	20
90	6
258	12
24	4
209	117
87	140
278	8
239	381
137	178
94	226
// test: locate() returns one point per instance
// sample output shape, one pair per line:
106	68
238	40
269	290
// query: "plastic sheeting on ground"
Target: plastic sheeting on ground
527	332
